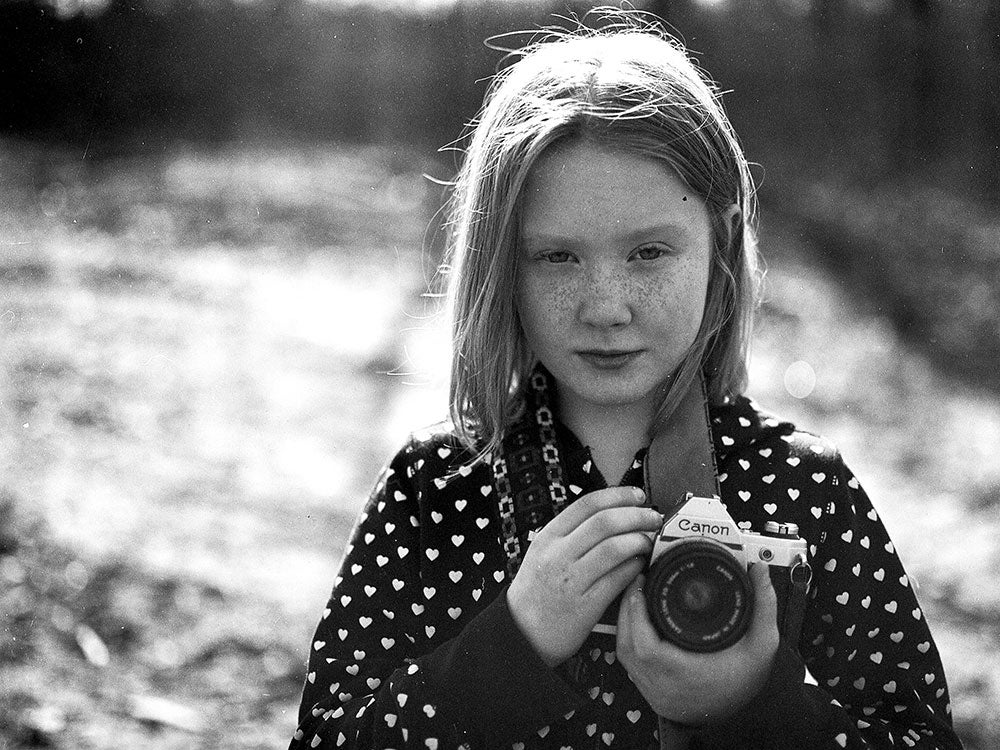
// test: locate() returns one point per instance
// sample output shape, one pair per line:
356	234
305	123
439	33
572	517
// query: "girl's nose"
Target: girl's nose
606	301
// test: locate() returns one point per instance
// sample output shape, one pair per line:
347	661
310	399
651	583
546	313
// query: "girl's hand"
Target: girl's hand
576	566
695	688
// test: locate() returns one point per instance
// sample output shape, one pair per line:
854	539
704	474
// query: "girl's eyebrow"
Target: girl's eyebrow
670	230
667	229
543	238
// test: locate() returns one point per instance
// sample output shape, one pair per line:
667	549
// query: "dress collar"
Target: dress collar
542	389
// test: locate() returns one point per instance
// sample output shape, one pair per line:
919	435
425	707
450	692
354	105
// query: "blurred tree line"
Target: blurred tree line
877	121
871	87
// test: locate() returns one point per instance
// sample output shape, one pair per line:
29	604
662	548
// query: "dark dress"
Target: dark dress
417	648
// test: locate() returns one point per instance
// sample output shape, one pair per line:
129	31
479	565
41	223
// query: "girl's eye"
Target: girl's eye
650	252
556	256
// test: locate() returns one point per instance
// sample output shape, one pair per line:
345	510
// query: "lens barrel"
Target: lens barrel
699	595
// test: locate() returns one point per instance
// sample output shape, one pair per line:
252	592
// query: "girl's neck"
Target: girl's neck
613	434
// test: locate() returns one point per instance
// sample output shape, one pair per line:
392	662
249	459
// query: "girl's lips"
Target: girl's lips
609	359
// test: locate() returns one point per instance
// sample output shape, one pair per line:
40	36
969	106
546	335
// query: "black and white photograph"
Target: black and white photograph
499	374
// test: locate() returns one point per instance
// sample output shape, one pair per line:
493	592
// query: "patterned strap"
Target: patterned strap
511	544
528	476
550	453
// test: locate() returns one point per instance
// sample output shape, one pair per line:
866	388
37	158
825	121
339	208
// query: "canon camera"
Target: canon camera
697	590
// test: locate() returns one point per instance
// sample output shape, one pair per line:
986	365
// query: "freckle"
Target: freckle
684	198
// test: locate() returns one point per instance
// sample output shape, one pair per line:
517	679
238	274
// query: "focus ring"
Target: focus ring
699	595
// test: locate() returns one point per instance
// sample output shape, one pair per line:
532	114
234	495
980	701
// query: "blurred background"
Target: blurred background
218	245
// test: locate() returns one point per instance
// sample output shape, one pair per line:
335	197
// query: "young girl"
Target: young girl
603	279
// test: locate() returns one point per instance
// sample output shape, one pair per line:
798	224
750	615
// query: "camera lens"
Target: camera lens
699	596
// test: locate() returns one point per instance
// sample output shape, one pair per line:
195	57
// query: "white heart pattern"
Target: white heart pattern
459	563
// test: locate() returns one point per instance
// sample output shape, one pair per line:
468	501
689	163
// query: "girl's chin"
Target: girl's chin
626	398
625	387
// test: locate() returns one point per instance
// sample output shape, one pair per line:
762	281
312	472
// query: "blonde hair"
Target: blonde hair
625	86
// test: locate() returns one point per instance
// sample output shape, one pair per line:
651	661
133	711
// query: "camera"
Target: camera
697	590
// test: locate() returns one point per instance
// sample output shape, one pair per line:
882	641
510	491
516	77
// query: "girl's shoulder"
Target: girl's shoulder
440	437
435	457
744	432
770	469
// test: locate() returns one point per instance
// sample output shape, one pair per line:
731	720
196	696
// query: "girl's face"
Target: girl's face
613	270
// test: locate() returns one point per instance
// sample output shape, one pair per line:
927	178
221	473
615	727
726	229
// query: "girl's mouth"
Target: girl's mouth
609	359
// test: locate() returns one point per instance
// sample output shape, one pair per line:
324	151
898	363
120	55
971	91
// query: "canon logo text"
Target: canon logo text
686	524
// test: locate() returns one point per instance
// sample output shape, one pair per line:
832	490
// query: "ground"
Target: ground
207	357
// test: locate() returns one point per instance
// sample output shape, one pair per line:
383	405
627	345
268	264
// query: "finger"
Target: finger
609	523
637	636
611	552
765	614
644	636
593	502
605	588
631	600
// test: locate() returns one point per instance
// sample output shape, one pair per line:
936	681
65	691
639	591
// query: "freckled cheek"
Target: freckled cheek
559	302
544	304
679	305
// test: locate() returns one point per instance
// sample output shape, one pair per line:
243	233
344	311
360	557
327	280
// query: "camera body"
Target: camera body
697	590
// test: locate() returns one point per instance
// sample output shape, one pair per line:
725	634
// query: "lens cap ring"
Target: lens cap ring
699	596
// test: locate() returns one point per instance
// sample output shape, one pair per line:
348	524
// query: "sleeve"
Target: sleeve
379	674
864	640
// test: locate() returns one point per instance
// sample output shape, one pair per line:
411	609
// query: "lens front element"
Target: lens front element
699	596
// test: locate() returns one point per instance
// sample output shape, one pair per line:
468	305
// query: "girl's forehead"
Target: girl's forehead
581	188
584	162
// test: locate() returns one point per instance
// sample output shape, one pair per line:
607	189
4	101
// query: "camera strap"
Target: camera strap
681	458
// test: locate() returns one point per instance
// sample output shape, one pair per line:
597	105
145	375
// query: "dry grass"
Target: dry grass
195	404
